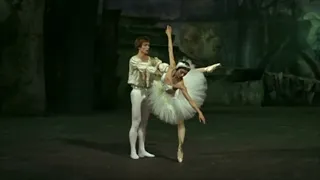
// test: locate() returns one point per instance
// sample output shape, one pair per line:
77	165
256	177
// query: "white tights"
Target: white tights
140	114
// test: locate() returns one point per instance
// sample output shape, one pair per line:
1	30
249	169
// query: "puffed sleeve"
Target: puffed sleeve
162	67
142	67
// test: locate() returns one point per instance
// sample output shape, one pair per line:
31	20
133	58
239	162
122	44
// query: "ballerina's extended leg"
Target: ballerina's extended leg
211	68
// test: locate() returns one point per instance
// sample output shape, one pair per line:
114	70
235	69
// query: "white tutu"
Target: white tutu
172	109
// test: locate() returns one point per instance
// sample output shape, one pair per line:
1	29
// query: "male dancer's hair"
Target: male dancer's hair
140	40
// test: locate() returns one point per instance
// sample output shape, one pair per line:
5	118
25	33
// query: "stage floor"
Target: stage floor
236	143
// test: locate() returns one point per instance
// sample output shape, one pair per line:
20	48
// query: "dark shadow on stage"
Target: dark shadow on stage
295	152
117	148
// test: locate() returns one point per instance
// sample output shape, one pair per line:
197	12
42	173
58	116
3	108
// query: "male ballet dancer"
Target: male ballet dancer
142	70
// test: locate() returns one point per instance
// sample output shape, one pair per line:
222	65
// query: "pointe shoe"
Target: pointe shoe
210	69
180	155
145	154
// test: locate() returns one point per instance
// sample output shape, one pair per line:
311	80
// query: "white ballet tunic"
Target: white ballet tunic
173	108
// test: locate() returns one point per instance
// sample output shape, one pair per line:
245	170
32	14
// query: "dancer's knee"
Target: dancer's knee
141	129
180	124
135	126
136	119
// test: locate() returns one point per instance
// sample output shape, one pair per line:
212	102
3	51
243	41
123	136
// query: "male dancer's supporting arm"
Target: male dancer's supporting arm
142	67
161	66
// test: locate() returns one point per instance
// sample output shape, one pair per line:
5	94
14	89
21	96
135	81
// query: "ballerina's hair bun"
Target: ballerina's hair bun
183	64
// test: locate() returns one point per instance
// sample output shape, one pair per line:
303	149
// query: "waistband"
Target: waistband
140	87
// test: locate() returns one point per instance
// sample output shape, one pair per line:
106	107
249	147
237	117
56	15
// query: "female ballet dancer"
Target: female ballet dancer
179	94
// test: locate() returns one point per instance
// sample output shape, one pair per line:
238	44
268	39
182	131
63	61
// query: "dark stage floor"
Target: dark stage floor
271	143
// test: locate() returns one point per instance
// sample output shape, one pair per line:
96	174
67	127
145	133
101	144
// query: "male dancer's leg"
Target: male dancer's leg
136	100
142	129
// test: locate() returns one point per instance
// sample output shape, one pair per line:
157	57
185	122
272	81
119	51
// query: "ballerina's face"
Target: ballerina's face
181	72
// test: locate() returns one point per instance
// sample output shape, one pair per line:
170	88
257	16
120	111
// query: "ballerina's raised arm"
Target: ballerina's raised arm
170	47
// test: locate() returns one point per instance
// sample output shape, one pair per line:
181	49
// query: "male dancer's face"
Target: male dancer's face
145	46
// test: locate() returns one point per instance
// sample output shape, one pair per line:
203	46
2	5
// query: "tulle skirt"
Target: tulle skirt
173	108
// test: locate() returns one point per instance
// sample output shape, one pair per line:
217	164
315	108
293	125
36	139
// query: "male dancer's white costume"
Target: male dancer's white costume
141	76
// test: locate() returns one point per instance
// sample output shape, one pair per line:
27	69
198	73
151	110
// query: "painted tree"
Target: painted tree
256	20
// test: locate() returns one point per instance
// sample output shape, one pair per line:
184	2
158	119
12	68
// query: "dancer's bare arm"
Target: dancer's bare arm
209	68
170	47
187	96
184	91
